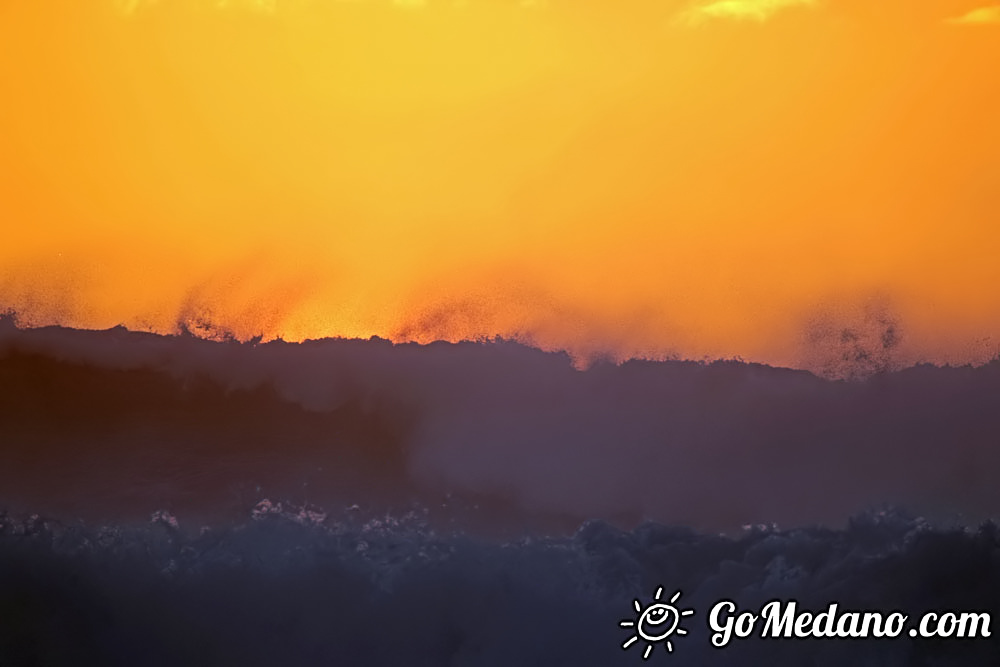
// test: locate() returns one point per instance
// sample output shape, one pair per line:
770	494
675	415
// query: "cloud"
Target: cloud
982	16
740	10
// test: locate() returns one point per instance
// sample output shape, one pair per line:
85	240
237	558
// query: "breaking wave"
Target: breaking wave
112	425
178	501
293	588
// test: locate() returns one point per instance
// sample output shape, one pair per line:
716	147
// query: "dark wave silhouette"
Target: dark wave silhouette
117	424
175	500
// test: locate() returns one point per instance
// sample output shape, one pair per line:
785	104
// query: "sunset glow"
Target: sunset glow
634	178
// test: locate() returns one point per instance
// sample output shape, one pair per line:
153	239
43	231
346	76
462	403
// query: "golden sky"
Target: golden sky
636	177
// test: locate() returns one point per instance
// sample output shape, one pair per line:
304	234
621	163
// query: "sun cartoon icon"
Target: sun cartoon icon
656	623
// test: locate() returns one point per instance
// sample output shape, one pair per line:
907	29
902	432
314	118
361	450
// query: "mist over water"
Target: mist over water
112	424
174	500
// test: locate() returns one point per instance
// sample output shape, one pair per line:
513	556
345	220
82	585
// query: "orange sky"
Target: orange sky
642	177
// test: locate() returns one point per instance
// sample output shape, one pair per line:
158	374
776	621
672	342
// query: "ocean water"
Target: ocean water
169	500
285	588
